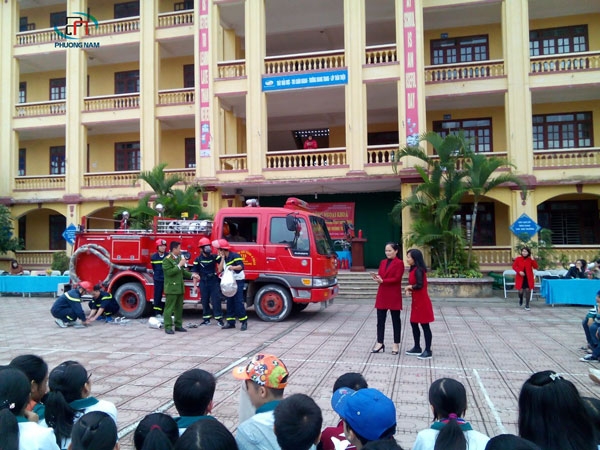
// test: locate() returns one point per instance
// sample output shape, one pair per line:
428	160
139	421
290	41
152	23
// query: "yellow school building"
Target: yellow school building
226	92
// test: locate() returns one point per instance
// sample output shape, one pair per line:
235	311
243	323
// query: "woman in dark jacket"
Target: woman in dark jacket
389	296
578	270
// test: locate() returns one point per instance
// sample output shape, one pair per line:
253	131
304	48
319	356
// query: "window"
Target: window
477	131
127	156
127	82
22	226
571	222
181	6
279	234
22	92
57	225
58	19
382	138
321	135
485	229
127	9
552	41
190	153
240	229
57	160
459	50
58	89
188	76
563	130
22	162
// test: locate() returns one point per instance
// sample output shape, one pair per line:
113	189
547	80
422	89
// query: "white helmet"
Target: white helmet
153	322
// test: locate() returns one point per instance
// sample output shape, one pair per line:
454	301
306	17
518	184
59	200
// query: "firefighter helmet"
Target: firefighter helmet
203	241
86	285
224	244
160	242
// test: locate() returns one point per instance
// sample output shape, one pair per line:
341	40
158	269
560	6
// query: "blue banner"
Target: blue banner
305	80
524	225
69	234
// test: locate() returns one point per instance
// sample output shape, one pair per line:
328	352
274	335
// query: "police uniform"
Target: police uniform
206	266
174	289
235	304
68	308
159	279
105	301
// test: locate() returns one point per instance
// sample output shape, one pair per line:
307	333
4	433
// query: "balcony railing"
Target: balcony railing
32	259
232	69
464	71
37	37
460	163
39	182
111	179
381	54
304	62
34	109
381	154
175	19
176	96
187	174
565	158
112	102
233	162
115	26
565	62
492	256
305	158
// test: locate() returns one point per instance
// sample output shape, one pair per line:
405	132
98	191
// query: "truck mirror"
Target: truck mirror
291	222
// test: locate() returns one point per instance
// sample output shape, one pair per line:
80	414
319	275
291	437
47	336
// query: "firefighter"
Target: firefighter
67	308
205	265
235	305
159	278
102	305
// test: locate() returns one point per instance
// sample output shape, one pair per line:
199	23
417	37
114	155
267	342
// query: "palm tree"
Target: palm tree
480	180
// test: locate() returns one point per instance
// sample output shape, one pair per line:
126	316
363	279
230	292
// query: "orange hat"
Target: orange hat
264	370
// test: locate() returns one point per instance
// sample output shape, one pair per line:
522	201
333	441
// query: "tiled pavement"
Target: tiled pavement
490	345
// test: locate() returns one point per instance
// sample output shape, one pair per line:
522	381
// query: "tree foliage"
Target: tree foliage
454	173
8	242
175	201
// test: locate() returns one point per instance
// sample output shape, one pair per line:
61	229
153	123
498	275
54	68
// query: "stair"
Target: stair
356	286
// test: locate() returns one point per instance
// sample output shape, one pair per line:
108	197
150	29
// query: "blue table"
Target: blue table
570	292
27	284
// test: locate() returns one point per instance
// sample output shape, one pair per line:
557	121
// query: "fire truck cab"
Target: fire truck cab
288	256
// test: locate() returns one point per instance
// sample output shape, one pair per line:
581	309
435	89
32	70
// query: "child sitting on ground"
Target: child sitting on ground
193	397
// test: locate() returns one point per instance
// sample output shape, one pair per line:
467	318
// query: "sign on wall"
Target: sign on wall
304	80
525	225
336	214
203	68
411	94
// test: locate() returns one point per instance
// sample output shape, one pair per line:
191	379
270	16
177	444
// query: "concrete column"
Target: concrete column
149	72
256	100
75	132
356	91
9	86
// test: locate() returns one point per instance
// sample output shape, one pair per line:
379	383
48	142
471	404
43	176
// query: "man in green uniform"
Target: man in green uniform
174	271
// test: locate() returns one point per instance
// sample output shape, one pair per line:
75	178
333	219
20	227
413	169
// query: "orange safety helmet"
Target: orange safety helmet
86	285
160	242
203	241
224	244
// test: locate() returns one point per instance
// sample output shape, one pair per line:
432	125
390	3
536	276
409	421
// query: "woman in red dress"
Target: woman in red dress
389	296
524	266
421	311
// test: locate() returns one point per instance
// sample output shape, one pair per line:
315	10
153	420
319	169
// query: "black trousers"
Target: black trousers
381	317
159	305
417	335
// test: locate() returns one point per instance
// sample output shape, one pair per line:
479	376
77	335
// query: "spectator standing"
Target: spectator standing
524	265
174	271
265	379
389	296
205	265
235	305
448	400
298	421
15	268
158	276
67	308
367	414
578	270
421	311
333	438
310	143
553	415
193	397
102	305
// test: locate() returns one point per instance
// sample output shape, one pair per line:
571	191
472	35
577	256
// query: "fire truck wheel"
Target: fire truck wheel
131	298
273	303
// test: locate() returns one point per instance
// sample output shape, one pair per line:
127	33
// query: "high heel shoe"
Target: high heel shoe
380	349
395	352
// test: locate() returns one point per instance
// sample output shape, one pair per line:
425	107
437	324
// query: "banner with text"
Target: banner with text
335	214
411	94
204	68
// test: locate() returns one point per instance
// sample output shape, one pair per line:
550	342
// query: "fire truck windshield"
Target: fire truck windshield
323	241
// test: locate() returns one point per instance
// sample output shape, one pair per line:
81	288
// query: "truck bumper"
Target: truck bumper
317	295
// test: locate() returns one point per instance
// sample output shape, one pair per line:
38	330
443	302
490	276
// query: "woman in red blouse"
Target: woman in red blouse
524	266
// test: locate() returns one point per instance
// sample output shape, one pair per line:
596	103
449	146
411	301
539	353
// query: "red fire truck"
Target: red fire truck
288	256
